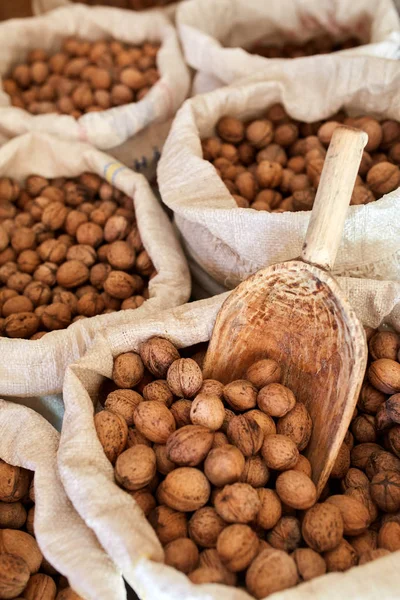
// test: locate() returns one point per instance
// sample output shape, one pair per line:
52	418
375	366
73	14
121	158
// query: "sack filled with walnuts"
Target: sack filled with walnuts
46	550
231	39
85	246
112	79
253	155
139	419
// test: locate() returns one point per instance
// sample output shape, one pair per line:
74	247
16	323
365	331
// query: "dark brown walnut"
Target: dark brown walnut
14	575
189	445
14	482
286	534
381	461
341	558
168	524
342	462
385	490
245	434
158	354
297	425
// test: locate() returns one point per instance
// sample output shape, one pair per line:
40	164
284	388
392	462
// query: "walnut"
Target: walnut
272	153
255	472
23	545
112	432
121	256
181	412
230	130
21	325
383	178
158	354
240	395
182	554
205	527
237	503
374	131
90	304
264	421
185	489
271	571
385	490
389	536
124	403
89	234
128	370
14	575
12	515
207	410
270	510
155	421
263	372
120	285
260	133
296	490
276	400
14	482
135	467
322	527
246	185
158	391
286	534
116	228
341	558
28	261
286	134
72	273
40	586
361	195
269	174
168	524
184	378
355	515
189	445
17	304
370	399
224	465
237	546
309	563
245	434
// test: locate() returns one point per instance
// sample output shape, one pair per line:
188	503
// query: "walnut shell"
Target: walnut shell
361	453
182	554
370	399
145	500
276	400
184	378
185	489
366	541
263	372
40	587
384	374
154	420
296	425
189	445
322	527
309	563
296	490
237	546
279	452
12	515
384	344
259	133
168	524
240	395
271	508
354	478
255	472
14	482
135	467
120	285
342	462
68	594
389	536
207	575
355	515
212	387
124	403
265	422
112	431
207	410
210	559
23	545
230	130
286	534
22	325
158	354
14	575
128	370
383	178
205	527
72	273
245	434
385	490
362	494
224	465
181	412
237	503
271	571
341	558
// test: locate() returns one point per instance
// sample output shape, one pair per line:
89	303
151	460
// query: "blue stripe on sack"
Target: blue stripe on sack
111	171
144	162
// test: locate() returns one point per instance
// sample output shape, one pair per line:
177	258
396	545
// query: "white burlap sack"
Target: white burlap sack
42	6
37	367
114	129
28	440
231	243
118	523
215	35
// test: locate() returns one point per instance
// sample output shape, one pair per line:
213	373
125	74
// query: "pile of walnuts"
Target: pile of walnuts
218	470
24	572
275	163
83	77
324	44
69	249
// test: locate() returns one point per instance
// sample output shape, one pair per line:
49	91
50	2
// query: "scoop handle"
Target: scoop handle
335	188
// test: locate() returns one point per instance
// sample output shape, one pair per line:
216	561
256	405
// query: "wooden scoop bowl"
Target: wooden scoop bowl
295	313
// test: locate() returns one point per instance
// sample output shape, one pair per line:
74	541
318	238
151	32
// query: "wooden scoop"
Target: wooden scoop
295	313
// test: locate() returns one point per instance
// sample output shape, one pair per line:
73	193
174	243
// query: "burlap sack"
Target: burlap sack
28	440
230	243
215	35
114	129
118	523
42	6
29	368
